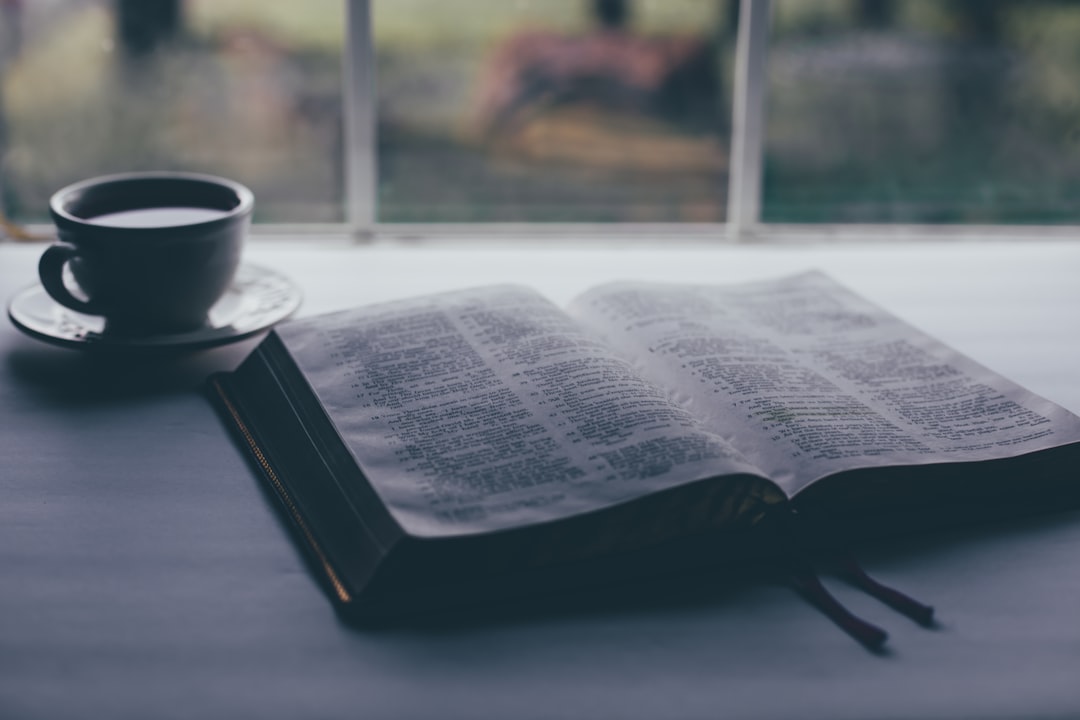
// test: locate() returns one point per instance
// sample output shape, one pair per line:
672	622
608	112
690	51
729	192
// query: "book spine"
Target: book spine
219	385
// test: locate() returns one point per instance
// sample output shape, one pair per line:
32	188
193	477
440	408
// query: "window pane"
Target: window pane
553	110
952	111
249	89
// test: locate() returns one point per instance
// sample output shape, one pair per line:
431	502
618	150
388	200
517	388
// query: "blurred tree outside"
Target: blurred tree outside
581	138
878	110
250	90
914	111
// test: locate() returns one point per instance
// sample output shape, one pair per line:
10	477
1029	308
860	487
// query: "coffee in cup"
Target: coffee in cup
151	252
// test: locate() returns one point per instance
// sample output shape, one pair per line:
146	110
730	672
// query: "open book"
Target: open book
486	441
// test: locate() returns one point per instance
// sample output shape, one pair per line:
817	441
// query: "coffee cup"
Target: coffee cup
151	252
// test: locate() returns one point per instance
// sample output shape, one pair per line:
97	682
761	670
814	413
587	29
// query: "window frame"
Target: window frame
361	149
744	191
743	224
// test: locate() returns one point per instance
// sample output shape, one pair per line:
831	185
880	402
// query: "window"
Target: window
923	111
560	110
389	114
243	88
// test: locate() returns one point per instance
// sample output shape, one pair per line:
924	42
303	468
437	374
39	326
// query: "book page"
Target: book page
808	379
490	409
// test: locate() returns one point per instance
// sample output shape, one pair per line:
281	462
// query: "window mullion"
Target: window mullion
748	118
359	108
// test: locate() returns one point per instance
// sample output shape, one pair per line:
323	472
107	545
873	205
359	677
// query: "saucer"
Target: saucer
257	299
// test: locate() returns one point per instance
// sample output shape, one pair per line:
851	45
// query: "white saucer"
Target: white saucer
258	299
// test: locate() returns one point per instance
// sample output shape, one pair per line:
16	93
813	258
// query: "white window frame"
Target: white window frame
361	149
743	225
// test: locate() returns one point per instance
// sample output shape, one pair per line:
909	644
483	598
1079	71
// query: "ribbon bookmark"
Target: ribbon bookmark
898	601
808	584
802	576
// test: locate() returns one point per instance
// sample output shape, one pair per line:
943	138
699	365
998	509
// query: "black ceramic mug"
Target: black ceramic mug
151	251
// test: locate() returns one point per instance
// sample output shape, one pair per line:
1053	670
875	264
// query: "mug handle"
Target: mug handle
51	272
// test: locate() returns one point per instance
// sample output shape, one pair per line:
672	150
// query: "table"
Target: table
145	573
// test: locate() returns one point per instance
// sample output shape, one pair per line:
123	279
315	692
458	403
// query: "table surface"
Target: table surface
145	573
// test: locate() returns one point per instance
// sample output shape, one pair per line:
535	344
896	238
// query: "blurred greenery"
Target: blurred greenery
425	25
955	112
934	114
311	25
250	90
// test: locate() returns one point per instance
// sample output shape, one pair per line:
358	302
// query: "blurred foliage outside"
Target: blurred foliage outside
898	111
606	158
249	90
939	111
